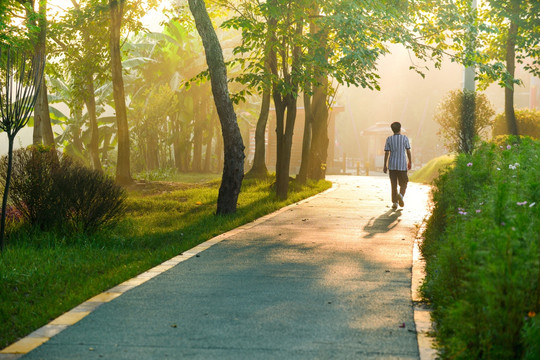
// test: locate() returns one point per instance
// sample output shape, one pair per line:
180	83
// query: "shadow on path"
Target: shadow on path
382	224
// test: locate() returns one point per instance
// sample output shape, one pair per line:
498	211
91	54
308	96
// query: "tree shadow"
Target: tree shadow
382	224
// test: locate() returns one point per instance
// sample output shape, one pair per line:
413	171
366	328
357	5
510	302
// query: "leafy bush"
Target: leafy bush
458	128
528	122
50	190
482	253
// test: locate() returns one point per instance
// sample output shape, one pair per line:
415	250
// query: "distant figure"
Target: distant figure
394	160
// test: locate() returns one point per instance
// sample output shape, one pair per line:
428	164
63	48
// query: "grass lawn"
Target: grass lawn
430	171
42	275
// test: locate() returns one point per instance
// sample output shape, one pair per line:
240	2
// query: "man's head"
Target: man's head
396	127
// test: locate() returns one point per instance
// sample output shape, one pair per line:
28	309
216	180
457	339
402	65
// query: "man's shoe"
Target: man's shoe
400	200
394	206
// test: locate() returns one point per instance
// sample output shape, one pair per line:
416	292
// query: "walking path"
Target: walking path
327	278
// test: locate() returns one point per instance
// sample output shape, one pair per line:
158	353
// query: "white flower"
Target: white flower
532	204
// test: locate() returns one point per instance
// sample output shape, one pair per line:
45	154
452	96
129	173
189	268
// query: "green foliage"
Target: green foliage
164	219
458	127
53	192
482	253
528	122
478	37
429	172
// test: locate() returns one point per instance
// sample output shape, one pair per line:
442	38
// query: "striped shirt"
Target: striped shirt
397	144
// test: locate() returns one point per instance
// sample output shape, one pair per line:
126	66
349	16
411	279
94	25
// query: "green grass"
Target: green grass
42	275
175	176
430	171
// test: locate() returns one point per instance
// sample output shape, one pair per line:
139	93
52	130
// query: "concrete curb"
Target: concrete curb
46	332
422	313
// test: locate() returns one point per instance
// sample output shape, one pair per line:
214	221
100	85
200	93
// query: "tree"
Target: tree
79	36
490	38
347	39
123	172
42	121
456	135
517	39
233	170
21	80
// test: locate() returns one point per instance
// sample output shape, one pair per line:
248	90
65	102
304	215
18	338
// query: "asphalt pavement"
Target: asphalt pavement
327	278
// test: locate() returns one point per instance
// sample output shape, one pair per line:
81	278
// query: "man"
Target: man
394	160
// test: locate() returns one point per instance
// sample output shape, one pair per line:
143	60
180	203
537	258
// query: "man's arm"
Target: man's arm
386	155
410	159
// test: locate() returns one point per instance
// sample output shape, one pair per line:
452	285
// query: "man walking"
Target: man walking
394	160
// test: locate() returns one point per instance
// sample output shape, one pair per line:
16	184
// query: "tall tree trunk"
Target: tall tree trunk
123	175
289	102
90	101
105	149
306	140
6	192
208	154
177	151
42	120
233	170
319	141
259	170
198	124
152	157
511	68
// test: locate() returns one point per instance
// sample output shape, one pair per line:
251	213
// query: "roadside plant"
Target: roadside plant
463	117
53	192
482	253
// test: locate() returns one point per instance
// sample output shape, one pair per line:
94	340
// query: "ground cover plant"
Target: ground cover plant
44	274
482	253
432	169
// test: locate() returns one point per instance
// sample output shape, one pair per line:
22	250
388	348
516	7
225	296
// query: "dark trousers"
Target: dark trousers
395	177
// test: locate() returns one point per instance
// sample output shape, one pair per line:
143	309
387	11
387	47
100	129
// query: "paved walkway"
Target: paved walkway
329	278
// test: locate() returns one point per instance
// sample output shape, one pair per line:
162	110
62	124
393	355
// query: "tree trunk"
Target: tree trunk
208	154
177	152
90	101
123	175
284	151
306	140
42	121
259	170
198	124
105	149
6	192
511	68
319	142
233	170
152	157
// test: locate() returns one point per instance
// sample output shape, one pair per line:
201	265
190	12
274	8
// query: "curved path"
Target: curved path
328	278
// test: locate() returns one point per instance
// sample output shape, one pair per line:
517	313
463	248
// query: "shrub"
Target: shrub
528	122
50	190
458	128
482	253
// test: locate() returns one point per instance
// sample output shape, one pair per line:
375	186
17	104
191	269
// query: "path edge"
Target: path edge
73	316
422	312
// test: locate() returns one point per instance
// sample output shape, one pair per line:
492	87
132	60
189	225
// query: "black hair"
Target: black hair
396	127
